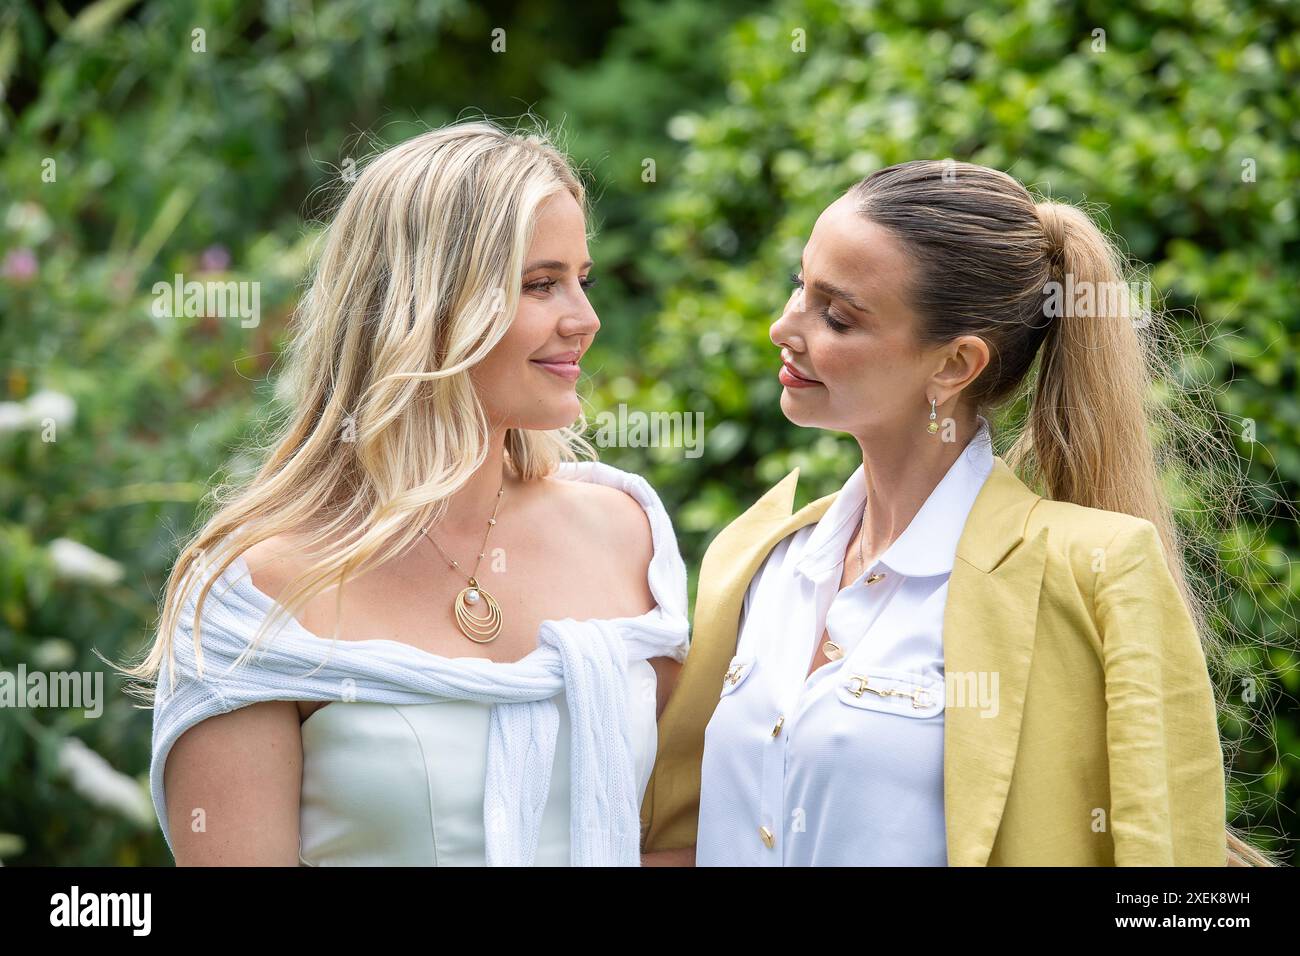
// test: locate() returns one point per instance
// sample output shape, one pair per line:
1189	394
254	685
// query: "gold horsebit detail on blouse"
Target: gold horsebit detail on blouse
918	694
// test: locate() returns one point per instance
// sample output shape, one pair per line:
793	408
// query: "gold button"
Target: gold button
875	577
768	838
779	721
832	651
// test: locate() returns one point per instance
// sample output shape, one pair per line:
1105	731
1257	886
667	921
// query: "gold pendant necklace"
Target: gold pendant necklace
830	649
479	628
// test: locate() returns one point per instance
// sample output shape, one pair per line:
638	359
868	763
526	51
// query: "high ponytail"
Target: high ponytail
1087	436
1042	284
1088	439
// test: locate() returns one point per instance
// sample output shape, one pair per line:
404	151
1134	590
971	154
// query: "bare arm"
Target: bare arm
620	523
242	773
666	671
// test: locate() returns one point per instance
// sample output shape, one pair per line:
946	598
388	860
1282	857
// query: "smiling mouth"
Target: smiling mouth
567	369
801	379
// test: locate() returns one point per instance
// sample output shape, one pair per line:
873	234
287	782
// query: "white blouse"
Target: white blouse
843	767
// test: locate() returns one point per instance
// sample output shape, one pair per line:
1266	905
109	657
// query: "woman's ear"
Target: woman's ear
963	359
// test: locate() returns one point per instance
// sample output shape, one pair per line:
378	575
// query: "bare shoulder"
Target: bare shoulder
274	562
609	533
611	519
618	530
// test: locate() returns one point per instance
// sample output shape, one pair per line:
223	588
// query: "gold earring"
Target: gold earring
934	424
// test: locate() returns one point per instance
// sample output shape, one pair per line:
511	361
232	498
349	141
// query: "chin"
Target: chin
790	407
550	415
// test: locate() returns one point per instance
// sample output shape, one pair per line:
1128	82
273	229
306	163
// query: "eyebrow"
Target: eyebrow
553	264
831	289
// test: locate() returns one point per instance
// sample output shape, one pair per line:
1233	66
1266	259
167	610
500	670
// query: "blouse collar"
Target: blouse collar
928	544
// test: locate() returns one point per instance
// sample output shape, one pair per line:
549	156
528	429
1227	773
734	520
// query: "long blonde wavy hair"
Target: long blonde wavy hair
1095	432
418	279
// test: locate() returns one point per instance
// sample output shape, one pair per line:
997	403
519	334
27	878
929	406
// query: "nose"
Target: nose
581	319
783	332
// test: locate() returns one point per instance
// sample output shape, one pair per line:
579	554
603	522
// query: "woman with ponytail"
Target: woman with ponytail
956	659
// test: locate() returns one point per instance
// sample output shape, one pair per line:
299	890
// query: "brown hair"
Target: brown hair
985	255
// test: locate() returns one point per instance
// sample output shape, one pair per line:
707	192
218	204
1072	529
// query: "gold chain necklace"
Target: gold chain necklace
479	629
862	533
879	575
832	650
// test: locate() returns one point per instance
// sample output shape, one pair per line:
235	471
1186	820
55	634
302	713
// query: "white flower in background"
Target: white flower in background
30	220
42	405
11	844
683	127
54	654
95	779
48	404
13	417
74	561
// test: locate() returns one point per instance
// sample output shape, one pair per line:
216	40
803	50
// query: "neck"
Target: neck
470	507
901	472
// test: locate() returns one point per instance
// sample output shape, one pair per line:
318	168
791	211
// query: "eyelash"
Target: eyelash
546	284
834	324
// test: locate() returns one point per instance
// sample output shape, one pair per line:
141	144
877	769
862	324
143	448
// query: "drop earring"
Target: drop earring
934	415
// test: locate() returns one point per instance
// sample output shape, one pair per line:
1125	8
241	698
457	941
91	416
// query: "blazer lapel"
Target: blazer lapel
670	810
990	620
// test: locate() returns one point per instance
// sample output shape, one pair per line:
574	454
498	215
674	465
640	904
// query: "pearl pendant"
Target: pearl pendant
483	626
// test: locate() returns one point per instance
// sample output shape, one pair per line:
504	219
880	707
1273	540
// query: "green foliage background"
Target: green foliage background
170	160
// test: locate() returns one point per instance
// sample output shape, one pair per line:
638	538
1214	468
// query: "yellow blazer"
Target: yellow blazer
1104	748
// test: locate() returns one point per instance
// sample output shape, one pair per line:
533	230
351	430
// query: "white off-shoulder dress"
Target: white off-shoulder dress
394	785
403	783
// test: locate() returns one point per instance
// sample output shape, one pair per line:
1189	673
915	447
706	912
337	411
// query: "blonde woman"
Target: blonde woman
938	665
425	632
